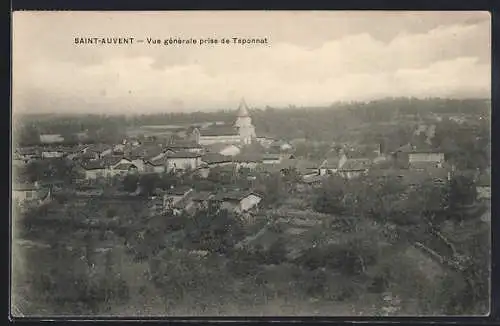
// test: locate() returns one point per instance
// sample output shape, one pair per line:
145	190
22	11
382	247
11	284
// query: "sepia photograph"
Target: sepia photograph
250	163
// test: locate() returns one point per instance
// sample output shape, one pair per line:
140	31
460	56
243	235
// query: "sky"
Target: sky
311	59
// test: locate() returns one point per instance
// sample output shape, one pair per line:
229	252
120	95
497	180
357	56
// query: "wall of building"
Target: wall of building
249	202
426	157
51	154
230	151
140	164
183	163
483	192
95	174
209	140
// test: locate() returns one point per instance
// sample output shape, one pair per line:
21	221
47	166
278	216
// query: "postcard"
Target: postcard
250	163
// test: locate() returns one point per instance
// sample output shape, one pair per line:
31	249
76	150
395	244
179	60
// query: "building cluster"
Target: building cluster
221	148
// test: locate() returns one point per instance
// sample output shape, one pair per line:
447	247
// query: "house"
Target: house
302	166
27	154
271	158
52	153
332	163
183	161
310	182
200	200
215	159
94	169
158	165
410	156
223	149
238	201
23	156
246	161
98	150
353	168
186	146
202	171
280	146
124	169
173	196
22	192
432	157
483	187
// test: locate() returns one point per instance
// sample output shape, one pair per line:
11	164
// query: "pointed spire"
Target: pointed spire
243	109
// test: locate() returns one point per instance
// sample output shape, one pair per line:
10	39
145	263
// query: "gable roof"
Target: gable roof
125	166
93	165
219	131
234	195
158	162
183	144
218	147
183	154
27	151
111	160
247	158
243	109
214	158
98	148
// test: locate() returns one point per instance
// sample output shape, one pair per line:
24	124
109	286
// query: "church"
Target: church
242	132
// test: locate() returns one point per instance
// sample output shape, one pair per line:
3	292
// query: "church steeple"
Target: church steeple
244	123
243	109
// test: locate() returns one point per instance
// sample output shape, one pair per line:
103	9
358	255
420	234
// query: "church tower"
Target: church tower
244	124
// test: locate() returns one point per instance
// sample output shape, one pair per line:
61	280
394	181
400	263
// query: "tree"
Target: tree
130	182
330	198
462	192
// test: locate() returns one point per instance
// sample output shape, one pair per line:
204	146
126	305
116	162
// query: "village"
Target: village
149	193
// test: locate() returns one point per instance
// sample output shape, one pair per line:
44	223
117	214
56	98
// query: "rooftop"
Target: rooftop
125	166
183	154
214	158
219	131
243	109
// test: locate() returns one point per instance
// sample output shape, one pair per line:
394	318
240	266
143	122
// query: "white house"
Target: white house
23	192
332	164
223	149
52	153
435	158
183	161
353	168
238	201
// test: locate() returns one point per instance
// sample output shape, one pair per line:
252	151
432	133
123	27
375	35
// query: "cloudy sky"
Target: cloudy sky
312	58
